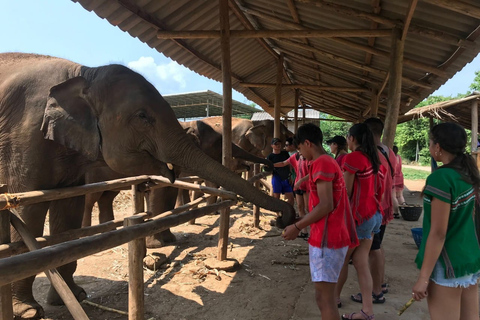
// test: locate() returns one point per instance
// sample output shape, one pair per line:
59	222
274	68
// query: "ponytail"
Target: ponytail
364	137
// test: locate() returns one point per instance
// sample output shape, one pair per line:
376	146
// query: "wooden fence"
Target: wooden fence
47	253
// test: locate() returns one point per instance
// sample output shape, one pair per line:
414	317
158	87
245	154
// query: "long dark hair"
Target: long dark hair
452	138
364	136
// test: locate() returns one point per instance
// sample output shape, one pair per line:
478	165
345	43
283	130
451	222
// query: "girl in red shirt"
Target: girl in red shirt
364	178
329	210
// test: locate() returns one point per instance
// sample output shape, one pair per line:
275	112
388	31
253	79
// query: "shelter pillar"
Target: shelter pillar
278	98
394	87
474	128
295	113
227	119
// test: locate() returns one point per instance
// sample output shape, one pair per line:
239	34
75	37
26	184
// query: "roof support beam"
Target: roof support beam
457	6
304	86
354	64
307	33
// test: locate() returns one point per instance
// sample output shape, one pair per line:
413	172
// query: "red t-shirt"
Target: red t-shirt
300	166
339	223
341	159
367	186
387	202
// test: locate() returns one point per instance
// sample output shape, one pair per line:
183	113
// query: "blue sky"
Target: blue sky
64	29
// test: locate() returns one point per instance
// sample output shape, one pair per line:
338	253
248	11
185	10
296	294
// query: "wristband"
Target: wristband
295	224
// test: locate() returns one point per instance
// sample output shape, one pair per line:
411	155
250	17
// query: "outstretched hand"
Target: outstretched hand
290	232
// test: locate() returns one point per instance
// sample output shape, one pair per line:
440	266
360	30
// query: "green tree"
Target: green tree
475	86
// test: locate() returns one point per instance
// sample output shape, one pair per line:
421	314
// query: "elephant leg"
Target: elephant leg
66	214
24	304
161	200
105	206
90	200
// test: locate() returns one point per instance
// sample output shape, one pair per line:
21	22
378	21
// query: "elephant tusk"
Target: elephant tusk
170	166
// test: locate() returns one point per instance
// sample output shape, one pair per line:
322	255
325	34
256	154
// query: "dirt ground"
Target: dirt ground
185	289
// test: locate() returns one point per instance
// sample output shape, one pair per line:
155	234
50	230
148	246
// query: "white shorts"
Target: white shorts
326	264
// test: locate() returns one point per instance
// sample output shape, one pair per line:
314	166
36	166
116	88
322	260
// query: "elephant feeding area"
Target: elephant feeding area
272	282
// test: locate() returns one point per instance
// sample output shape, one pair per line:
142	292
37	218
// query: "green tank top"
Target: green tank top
461	252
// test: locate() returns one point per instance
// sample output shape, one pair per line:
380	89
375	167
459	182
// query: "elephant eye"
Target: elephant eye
144	118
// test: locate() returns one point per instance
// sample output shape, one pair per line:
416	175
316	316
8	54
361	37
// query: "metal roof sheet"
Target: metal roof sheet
441	40
202	104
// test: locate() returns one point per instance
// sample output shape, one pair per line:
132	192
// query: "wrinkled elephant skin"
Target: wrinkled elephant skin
59	118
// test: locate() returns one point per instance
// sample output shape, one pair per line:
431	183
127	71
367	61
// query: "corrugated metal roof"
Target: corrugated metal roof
309	114
442	39
202	104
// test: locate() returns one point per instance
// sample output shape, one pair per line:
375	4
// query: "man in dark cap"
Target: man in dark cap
280	182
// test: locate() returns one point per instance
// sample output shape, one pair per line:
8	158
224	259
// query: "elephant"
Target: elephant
252	136
58	119
163	199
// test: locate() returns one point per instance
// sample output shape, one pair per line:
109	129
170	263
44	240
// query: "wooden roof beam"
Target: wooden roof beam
294	57
253	34
304	86
457	6
353	63
366	48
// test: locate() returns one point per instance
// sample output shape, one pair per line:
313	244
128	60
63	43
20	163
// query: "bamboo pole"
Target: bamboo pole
6	307
278	98
256	209
19	267
136	253
53	275
474	127
249	34
394	88
224	223
303	86
295	113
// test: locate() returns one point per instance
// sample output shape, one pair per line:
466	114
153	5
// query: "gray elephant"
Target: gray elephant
59	118
252	136
164	199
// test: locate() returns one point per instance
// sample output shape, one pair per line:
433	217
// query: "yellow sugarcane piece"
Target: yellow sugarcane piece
405	306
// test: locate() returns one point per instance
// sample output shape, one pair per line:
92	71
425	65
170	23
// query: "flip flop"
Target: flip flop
362	313
376	298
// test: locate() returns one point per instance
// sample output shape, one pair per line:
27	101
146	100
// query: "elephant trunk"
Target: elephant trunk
194	161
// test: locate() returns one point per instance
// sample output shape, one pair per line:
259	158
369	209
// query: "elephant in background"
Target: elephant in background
164	199
252	136
58	119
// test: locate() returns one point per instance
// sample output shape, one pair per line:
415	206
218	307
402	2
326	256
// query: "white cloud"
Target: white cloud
168	77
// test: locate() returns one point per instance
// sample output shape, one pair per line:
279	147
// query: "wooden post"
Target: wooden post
374	103
295	113
304	114
227	120
136	253
278	98
6	307
53	275
474	125
256	209
394	87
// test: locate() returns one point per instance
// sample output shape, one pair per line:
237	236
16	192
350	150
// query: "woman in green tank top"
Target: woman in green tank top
449	256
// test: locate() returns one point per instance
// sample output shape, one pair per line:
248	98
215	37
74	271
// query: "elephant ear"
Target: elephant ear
257	136
69	119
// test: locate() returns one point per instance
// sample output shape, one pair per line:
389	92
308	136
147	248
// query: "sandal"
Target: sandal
396	215
385	287
303	235
376	298
339	303
363	314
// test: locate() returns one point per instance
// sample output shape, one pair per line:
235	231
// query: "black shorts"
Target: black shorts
299	192
378	238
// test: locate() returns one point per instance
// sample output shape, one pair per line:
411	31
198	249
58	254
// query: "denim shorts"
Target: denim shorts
372	225
325	263
438	276
280	186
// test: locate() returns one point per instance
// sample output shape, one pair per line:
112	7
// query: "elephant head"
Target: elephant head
113	114
260	135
